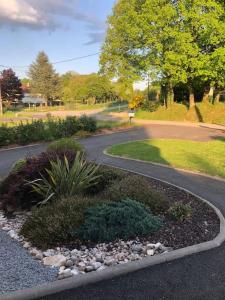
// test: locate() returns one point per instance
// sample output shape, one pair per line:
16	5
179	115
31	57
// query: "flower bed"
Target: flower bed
122	217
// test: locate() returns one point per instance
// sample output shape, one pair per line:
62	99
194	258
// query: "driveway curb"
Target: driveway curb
91	278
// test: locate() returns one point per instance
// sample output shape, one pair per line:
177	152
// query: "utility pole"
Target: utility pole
1	104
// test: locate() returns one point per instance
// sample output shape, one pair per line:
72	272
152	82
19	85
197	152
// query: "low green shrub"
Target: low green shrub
88	124
107	176
7	135
51	129
64	180
117	220
180	211
137	188
65	144
52	225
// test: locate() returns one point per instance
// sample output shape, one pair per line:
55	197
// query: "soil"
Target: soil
202	225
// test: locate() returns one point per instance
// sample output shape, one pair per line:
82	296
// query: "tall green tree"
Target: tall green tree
172	41
43	78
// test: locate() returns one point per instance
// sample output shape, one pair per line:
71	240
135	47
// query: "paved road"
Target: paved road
200	276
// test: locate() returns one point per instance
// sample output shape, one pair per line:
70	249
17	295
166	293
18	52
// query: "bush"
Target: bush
137	188
38	130
107	176
64	180
7	135
66	144
117	220
52	225
179	211
15	194
88	124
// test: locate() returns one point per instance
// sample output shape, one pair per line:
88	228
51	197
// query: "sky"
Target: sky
62	28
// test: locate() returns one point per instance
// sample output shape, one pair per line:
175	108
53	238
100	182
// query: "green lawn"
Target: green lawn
204	157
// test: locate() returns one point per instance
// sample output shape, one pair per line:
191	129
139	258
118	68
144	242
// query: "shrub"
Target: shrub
15	194
51	225
179	211
30	132
70	126
18	165
64	180
88	123
65	144
117	220
138	188
7	135
107	176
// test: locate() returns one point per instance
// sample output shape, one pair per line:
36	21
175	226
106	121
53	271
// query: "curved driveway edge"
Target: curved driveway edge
110	273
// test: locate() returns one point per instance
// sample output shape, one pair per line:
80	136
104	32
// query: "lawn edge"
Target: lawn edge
119	270
158	164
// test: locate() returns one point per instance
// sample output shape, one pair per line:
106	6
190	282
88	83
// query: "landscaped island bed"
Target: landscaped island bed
108	217
205	157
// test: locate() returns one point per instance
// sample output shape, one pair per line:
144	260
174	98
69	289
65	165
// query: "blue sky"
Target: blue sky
62	28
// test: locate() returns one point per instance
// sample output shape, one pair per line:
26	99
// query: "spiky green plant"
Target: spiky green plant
65	180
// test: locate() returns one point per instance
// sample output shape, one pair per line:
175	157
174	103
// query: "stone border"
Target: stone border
119	270
158	164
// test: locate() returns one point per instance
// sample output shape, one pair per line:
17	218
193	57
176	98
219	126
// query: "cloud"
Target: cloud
48	15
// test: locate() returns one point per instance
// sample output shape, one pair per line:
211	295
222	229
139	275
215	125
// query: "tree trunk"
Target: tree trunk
208	94
170	93
163	96
217	97
191	97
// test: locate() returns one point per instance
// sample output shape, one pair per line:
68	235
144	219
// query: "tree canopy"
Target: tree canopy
11	87
43	78
174	42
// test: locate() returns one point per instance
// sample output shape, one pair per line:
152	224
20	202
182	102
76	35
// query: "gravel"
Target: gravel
18	270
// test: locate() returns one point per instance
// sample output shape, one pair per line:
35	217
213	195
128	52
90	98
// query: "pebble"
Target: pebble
80	261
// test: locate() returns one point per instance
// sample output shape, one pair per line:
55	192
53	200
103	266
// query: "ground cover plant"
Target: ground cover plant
205	157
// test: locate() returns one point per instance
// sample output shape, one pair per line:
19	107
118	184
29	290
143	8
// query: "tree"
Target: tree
10	86
172	41
44	79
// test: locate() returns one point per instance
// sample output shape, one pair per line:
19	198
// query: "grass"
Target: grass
101	124
204	157
203	112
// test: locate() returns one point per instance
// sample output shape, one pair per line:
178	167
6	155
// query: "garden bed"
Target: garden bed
201	226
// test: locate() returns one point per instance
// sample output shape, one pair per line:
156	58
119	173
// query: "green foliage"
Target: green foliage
39	130
179	211
51	225
65	144
170	41
117	220
137	188
43	78
88	124
18	165
65	180
107	176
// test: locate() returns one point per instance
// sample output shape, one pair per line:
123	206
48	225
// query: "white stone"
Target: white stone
89	268
150	252
75	271
55	260
96	265
150	246
69	263
49	252
101	268
27	245
158	246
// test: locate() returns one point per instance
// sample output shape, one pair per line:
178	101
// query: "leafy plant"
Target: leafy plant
117	220
15	194
52	224
138	188
88	124
65	144
63	180
180	211
18	165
